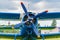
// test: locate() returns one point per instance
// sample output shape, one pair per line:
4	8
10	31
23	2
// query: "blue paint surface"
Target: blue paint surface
9	15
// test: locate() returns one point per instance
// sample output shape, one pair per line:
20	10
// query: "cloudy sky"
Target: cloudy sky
32	5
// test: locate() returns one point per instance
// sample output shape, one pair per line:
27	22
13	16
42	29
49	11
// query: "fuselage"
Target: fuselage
29	25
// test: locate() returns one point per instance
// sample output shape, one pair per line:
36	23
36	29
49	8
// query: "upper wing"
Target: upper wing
9	15
47	15
50	15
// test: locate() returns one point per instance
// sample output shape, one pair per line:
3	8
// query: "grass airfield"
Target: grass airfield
12	38
20	39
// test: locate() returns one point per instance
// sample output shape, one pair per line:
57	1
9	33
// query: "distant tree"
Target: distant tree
53	23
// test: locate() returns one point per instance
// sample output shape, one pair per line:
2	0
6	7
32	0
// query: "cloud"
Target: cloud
52	0
9	6
46	5
38	6
31	1
31	5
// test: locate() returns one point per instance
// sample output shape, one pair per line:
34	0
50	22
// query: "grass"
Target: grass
12	38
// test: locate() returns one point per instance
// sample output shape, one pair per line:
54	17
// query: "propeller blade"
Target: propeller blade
35	30
18	25
39	14
51	15
9	15
24	8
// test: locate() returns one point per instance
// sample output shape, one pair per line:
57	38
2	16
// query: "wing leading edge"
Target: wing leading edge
9	15
52	15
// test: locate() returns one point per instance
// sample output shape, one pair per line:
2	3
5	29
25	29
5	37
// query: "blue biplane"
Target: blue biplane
29	29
